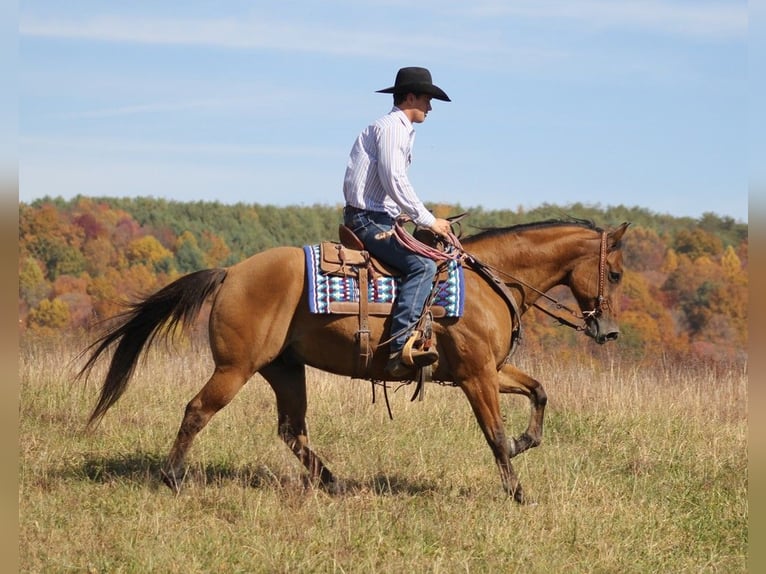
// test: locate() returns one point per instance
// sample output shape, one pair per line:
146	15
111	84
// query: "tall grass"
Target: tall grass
641	470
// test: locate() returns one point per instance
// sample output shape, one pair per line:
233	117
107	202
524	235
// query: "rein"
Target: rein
417	246
489	273
601	301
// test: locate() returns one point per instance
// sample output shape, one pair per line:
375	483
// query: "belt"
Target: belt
351	210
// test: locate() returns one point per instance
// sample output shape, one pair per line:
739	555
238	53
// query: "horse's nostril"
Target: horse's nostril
610	336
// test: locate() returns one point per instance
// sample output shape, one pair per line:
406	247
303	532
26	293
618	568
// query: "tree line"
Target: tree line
684	295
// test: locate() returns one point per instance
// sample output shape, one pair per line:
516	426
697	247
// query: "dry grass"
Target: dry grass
639	471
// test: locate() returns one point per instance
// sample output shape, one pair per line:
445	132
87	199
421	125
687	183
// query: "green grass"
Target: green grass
640	470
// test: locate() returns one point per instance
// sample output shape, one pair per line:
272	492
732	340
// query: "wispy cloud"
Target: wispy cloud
243	33
714	20
702	20
164	107
52	146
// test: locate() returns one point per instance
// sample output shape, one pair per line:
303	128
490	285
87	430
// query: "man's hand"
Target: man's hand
441	227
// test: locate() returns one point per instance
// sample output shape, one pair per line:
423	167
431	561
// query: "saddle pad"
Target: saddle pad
329	292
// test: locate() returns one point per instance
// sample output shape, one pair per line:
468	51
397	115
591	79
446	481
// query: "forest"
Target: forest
684	297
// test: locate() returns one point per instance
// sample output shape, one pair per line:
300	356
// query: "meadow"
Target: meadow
643	468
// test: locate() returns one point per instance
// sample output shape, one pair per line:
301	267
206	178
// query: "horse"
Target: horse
260	322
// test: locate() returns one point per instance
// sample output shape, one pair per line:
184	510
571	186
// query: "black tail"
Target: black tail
158	314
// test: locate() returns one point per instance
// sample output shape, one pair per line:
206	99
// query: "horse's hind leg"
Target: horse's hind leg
512	380
218	392
288	380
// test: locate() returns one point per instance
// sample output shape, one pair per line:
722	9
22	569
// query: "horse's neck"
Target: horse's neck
532	261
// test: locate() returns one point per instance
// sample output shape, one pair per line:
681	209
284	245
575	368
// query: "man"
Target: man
377	190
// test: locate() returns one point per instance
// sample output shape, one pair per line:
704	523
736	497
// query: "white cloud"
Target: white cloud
74	147
714	20
153	108
246	33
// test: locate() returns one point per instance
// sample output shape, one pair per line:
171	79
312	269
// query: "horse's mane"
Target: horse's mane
487	232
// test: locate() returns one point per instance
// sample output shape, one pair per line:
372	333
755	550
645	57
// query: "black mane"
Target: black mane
486	232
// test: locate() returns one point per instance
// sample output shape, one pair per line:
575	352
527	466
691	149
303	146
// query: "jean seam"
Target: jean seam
378	240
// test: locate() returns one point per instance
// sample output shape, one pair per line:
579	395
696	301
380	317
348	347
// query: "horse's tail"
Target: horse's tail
177	303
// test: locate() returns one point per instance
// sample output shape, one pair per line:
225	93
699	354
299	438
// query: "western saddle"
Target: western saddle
349	258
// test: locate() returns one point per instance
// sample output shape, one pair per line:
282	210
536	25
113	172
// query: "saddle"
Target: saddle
350	259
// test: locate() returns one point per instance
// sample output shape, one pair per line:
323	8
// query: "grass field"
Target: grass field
640	470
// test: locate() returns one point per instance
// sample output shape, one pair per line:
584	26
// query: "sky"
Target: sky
602	102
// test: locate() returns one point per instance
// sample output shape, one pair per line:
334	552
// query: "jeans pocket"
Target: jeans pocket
357	224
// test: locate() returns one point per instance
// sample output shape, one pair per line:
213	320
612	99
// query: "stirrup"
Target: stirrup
417	347
407	349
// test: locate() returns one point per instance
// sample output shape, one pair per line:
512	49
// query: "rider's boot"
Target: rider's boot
415	354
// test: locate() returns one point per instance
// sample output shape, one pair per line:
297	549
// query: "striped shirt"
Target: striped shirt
376	174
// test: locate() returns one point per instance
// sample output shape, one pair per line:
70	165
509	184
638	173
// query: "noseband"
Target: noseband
602	302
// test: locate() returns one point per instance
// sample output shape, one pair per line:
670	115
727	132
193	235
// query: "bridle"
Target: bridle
491	273
602	302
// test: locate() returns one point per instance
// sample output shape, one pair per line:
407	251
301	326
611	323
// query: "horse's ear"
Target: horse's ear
615	236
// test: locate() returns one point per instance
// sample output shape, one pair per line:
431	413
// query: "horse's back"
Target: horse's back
257	300
274	277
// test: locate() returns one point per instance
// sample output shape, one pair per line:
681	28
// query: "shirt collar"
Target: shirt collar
403	117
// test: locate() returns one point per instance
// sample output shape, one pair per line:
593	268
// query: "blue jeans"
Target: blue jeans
375	230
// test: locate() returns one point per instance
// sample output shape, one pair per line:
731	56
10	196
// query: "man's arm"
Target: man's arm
393	159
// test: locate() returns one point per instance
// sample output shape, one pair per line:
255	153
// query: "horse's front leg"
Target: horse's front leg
512	380
482	394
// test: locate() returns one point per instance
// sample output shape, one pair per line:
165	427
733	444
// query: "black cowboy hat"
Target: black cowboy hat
415	80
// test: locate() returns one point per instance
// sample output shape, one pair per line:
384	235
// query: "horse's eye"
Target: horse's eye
615	276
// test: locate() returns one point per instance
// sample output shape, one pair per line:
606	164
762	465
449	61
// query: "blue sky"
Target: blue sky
635	102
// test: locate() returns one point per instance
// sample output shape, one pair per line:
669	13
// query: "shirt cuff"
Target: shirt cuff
425	219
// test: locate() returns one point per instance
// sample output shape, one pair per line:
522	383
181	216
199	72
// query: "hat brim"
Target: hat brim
429	89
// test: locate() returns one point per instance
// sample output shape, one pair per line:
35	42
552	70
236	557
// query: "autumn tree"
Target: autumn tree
80	260
148	251
644	250
49	316
697	242
189	257
33	287
646	325
216	250
47	235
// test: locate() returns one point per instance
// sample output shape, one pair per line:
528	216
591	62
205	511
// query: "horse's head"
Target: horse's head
594	281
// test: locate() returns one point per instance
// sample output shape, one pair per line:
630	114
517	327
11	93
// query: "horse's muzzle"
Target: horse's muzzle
602	330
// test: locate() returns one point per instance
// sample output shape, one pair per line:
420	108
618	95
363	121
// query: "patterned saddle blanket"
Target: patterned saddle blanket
338	293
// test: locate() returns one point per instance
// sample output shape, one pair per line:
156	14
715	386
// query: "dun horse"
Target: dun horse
260	322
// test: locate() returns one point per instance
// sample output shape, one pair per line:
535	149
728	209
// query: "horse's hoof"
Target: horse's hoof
170	480
518	495
525	501
335	487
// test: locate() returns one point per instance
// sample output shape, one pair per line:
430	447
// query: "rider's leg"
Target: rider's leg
376	232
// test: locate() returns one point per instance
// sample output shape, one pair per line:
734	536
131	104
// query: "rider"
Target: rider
377	190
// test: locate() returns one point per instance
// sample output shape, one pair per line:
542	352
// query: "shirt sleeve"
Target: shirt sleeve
393	159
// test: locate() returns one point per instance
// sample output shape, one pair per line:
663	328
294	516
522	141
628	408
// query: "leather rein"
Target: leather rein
602	302
490	274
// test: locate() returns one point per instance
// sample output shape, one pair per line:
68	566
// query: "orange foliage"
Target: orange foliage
101	254
215	248
49	316
682	293
644	250
147	251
